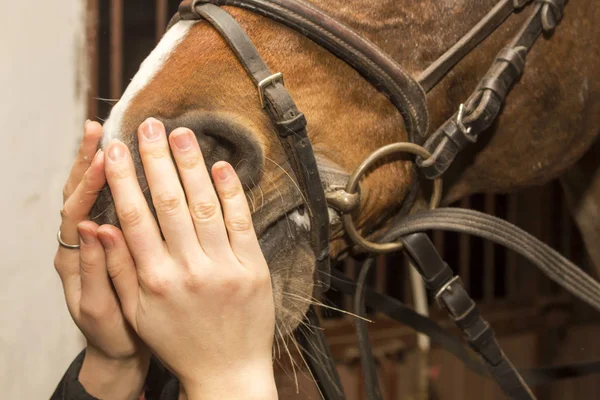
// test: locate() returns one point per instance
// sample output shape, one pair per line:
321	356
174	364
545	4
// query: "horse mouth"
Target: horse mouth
286	246
287	230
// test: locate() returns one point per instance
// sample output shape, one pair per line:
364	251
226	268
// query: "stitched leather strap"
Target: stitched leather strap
549	261
464	312
406	315
485	27
288	121
483	106
360	53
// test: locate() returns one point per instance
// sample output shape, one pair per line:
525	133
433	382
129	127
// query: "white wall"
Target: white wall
42	108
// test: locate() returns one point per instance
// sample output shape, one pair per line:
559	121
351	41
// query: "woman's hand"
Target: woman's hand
202	298
116	361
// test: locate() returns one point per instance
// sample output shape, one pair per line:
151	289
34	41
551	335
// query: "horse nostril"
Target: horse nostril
224	138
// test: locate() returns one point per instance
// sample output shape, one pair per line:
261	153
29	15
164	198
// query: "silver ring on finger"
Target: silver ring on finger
66	245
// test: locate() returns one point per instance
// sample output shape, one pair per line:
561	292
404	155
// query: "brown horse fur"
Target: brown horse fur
581	185
550	119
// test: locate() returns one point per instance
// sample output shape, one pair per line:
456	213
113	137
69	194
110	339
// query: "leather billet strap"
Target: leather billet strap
354	49
485	27
288	121
451	295
406	315
313	342
483	106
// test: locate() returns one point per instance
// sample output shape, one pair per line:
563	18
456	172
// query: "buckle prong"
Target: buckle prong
265	82
447	287
459	120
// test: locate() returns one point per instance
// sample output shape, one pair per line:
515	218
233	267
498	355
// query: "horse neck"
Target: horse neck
414	33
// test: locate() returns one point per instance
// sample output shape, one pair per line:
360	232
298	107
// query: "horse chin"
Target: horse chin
287	250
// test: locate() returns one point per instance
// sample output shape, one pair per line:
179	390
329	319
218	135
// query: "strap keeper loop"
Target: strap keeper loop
187	9
513	56
517	4
552	12
291	126
484	343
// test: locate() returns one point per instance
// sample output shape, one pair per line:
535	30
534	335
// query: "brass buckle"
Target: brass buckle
277	77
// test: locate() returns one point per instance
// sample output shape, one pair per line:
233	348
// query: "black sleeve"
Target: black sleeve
160	383
69	387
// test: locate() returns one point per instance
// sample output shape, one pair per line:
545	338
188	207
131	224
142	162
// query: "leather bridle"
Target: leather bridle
434	154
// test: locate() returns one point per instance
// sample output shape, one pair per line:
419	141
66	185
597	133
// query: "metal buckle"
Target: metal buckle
265	82
446	287
459	122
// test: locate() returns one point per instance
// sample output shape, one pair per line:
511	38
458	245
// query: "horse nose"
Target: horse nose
224	137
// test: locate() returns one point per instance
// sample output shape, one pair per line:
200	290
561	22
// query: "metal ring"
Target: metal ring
385	151
66	245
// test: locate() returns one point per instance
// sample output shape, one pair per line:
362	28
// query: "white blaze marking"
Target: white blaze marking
151	65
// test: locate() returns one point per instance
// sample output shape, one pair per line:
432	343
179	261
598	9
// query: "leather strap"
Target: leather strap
406	315
367	359
485	27
483	106
311	338
450	293
549	261
357	51
288	121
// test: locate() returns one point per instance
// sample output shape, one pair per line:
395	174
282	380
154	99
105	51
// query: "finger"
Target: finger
78	206
121	269
92	134
203	202
138	224
67	267
236	213
95	283
167	194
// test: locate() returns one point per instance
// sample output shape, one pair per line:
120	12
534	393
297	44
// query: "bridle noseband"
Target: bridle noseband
437	153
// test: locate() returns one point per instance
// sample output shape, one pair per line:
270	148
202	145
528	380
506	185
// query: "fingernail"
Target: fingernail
116	151
97	157
151	129
86	236
107	241
224	171
183	140
87	122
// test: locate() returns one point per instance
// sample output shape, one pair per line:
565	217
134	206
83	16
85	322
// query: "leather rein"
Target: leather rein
433	155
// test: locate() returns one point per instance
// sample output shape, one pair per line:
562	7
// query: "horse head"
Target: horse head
192	79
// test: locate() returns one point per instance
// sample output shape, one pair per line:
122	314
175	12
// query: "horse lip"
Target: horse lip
268	216
281	234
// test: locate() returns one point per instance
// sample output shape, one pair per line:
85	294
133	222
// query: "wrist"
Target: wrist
109	378
248	382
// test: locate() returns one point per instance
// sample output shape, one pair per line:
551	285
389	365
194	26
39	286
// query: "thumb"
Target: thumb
121	269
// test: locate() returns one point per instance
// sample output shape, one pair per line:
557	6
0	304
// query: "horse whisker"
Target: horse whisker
326	306
291	359
293	181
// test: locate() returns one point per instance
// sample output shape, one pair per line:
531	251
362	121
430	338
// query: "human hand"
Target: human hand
116	361
202	298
